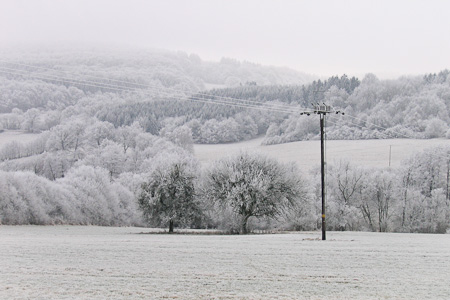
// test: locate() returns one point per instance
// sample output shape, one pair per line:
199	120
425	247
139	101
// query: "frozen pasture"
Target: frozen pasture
372	153
8	136
75	262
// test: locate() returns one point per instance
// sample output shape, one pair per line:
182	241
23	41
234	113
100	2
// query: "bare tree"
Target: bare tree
345	182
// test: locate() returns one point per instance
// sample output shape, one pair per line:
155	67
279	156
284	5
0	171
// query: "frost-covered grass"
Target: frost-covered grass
71	262
8	136
372	153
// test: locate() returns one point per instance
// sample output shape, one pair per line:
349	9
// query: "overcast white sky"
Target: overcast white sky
322	37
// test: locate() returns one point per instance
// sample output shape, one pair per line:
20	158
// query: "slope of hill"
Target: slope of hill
108	121
100	69
306	154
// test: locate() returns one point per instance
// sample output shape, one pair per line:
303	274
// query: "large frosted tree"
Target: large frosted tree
168	195
253	185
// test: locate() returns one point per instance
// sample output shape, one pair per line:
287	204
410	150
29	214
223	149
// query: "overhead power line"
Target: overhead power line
165	91
119	87
214	99
242	103
208	98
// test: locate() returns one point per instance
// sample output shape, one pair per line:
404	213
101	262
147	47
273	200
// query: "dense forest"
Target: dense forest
109	124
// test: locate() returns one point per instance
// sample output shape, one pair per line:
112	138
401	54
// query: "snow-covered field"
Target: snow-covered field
306	154
71	262
16	135
373	153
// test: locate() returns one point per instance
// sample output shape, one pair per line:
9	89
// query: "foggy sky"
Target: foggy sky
322	37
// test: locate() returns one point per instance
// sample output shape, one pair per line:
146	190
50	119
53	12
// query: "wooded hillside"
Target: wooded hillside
109	123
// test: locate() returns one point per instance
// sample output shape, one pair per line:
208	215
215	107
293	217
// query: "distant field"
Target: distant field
16	135
75	262
307	153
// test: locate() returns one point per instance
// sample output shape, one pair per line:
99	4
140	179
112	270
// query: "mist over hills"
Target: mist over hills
152	67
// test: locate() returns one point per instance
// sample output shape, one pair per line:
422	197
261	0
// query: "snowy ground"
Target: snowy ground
16	135
373	153
74	262
306	154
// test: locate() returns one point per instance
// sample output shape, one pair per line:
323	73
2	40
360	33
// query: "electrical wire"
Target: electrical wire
141	85
262	105
218	100
283	108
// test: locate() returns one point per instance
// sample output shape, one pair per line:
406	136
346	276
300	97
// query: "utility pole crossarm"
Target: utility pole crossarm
323	109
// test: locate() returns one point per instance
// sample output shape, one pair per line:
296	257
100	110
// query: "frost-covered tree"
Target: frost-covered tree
252	185
29	199
179	135
425	192
100	200
31	120
126	135
168	197
109	156
435	128
66	137
377	200
344	185
98	132
56	164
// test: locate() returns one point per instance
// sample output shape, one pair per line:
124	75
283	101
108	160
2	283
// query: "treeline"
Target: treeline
411	107
165	92
89	172
23	95
87	141
300	94
82	171
216	117
412	198
85	196
85	171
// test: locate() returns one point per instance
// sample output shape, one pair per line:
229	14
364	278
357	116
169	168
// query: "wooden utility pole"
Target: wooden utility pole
390	154
322	171
322	111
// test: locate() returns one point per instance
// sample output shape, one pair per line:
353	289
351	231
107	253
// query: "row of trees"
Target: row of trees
229	194
405	107
211	122
412	107
172	193
81	154
412	198
87	142
84	196
168	188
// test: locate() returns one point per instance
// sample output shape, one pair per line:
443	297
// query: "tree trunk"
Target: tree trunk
171	226
243	229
